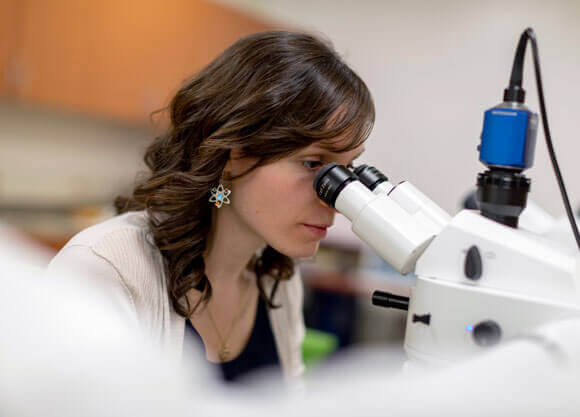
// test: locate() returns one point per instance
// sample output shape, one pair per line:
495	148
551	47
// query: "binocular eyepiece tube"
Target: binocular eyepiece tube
397	235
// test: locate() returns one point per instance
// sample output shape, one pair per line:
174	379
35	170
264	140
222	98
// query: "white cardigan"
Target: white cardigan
120	259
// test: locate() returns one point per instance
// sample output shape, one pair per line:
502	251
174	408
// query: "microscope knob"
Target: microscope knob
386	299
473	264
422	318
487	333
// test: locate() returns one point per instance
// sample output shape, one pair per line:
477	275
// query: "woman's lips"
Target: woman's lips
316	230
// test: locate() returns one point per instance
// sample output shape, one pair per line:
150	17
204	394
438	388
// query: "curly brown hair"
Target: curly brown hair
267	96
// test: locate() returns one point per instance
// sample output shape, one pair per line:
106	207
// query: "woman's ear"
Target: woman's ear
238	165
232	165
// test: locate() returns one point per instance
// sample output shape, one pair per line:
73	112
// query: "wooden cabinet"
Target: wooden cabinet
115	58
8	45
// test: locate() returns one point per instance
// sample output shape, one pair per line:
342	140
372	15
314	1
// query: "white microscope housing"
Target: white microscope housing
479	282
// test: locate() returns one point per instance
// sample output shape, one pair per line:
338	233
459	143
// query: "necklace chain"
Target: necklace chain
224	352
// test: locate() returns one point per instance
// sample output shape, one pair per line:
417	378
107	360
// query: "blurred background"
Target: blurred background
80	79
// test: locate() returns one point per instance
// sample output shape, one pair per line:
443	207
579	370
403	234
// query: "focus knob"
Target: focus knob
487	333
473	265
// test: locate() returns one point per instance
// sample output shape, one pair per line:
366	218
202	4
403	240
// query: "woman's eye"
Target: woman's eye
312	165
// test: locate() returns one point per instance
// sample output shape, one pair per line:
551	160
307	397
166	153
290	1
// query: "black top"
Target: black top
260	351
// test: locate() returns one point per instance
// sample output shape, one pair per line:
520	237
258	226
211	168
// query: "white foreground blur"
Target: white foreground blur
63	353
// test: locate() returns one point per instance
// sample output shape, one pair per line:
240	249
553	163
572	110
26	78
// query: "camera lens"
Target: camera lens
330	181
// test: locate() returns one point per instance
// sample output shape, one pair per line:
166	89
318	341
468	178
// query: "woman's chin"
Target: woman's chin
302	251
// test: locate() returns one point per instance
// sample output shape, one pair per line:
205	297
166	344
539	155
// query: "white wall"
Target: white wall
56	158
435	66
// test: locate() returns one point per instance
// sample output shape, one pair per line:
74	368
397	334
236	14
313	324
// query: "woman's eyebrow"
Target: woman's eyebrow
323	153
356	156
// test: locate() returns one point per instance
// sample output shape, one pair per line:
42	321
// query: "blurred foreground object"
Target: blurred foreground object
15	245
63	354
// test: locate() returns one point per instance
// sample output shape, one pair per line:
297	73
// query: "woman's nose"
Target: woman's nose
324	204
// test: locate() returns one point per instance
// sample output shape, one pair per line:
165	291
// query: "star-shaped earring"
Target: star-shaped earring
219	196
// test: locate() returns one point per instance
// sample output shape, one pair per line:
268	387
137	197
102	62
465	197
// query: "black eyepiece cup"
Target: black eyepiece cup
330	181
370	176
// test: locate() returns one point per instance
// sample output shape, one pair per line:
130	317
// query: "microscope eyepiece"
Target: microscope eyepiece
387	227
370	176
330	181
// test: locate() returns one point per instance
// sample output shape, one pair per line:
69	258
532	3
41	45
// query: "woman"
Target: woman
209	236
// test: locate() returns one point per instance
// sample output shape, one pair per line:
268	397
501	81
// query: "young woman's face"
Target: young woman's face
277	202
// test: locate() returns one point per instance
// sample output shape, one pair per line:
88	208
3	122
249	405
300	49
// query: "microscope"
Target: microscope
481	279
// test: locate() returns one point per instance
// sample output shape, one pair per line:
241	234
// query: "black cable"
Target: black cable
518	66
532	37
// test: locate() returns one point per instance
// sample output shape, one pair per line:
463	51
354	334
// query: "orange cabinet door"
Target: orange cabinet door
119	58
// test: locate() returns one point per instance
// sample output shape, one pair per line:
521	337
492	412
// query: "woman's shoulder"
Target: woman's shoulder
121	227
124	242
118	253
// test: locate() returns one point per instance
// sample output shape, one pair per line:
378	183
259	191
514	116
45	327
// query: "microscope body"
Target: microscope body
480	283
